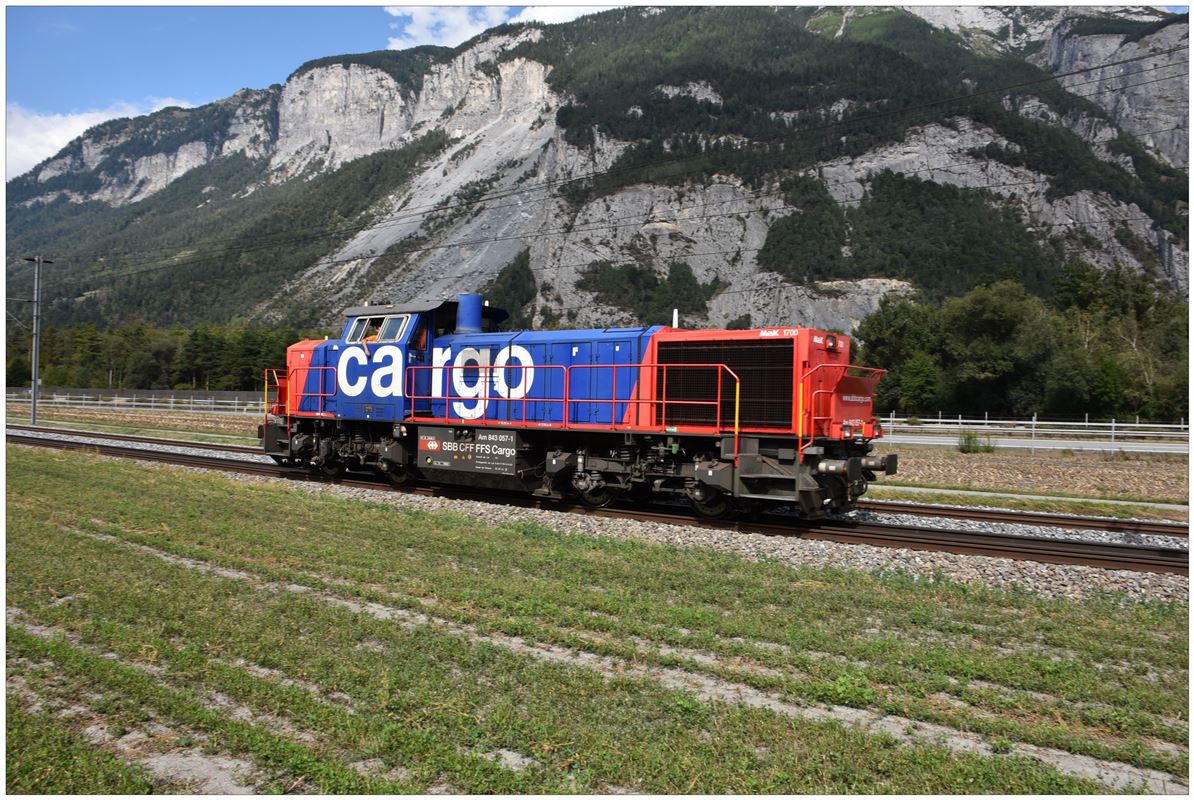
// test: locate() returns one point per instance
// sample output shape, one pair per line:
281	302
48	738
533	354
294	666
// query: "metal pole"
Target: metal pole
36	377
36	337
1032	450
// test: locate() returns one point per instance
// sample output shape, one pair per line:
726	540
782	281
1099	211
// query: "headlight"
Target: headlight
847	431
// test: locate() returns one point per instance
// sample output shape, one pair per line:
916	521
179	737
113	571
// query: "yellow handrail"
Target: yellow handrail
799	417
737	404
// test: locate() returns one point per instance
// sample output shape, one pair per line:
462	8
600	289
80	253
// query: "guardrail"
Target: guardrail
1112	430
139	402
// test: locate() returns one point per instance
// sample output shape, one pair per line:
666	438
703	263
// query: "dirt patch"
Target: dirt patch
154	747
1162	478
375	767
203	773
441	786
510	759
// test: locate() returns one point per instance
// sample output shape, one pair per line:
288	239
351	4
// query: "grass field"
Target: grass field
160	618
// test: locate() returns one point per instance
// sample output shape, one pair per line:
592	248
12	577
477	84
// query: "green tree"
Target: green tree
920	385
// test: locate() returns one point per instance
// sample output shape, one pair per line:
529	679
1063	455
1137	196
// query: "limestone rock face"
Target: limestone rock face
1100	217
330	115
697	90
1149	97
132	164
336	113
1002	29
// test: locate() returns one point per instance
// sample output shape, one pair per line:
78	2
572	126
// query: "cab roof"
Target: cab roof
491	314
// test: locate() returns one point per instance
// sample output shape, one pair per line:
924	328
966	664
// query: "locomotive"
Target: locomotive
731	420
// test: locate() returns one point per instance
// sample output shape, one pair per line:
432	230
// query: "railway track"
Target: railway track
1029	518
128	437
1139	557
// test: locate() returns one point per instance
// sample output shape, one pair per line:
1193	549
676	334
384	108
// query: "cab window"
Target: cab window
365	329
392	329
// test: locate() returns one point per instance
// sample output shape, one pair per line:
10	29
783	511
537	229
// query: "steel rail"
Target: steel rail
128	437
1150	528
1132	557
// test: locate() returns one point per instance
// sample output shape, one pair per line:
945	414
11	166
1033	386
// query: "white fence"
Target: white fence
135	402
1105	431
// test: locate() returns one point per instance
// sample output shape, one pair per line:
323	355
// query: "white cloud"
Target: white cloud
33	136
451	25
444	25
551	15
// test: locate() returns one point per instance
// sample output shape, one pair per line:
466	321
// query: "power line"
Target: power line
596	227
408	213
16	319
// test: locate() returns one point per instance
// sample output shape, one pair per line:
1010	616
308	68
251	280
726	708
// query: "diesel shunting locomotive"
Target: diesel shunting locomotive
738	420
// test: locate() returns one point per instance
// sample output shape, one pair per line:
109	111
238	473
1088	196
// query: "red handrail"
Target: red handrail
567	400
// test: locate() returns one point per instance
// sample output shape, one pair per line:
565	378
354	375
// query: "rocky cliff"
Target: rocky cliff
1148	97
513	173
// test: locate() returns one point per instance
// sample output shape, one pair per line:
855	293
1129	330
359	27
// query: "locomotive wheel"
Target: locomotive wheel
598	498
332	469
399	475
715	506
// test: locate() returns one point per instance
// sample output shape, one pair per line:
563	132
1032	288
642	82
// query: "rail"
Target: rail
1135	557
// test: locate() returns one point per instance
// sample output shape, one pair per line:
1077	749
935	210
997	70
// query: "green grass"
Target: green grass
429	700
44	756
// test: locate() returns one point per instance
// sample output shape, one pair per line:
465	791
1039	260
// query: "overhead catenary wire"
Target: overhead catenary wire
336	262
325	262
408	213
603	225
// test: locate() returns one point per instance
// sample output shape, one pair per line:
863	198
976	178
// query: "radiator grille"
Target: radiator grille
765	371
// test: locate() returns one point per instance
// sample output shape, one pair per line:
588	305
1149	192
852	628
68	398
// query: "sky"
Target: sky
69	68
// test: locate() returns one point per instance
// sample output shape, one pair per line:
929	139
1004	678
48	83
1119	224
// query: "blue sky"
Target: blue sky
69	68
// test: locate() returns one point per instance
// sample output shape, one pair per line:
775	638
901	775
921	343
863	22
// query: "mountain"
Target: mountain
749	166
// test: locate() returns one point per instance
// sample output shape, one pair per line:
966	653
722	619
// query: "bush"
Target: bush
969	442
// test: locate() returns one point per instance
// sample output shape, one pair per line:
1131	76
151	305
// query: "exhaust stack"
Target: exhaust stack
468	313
